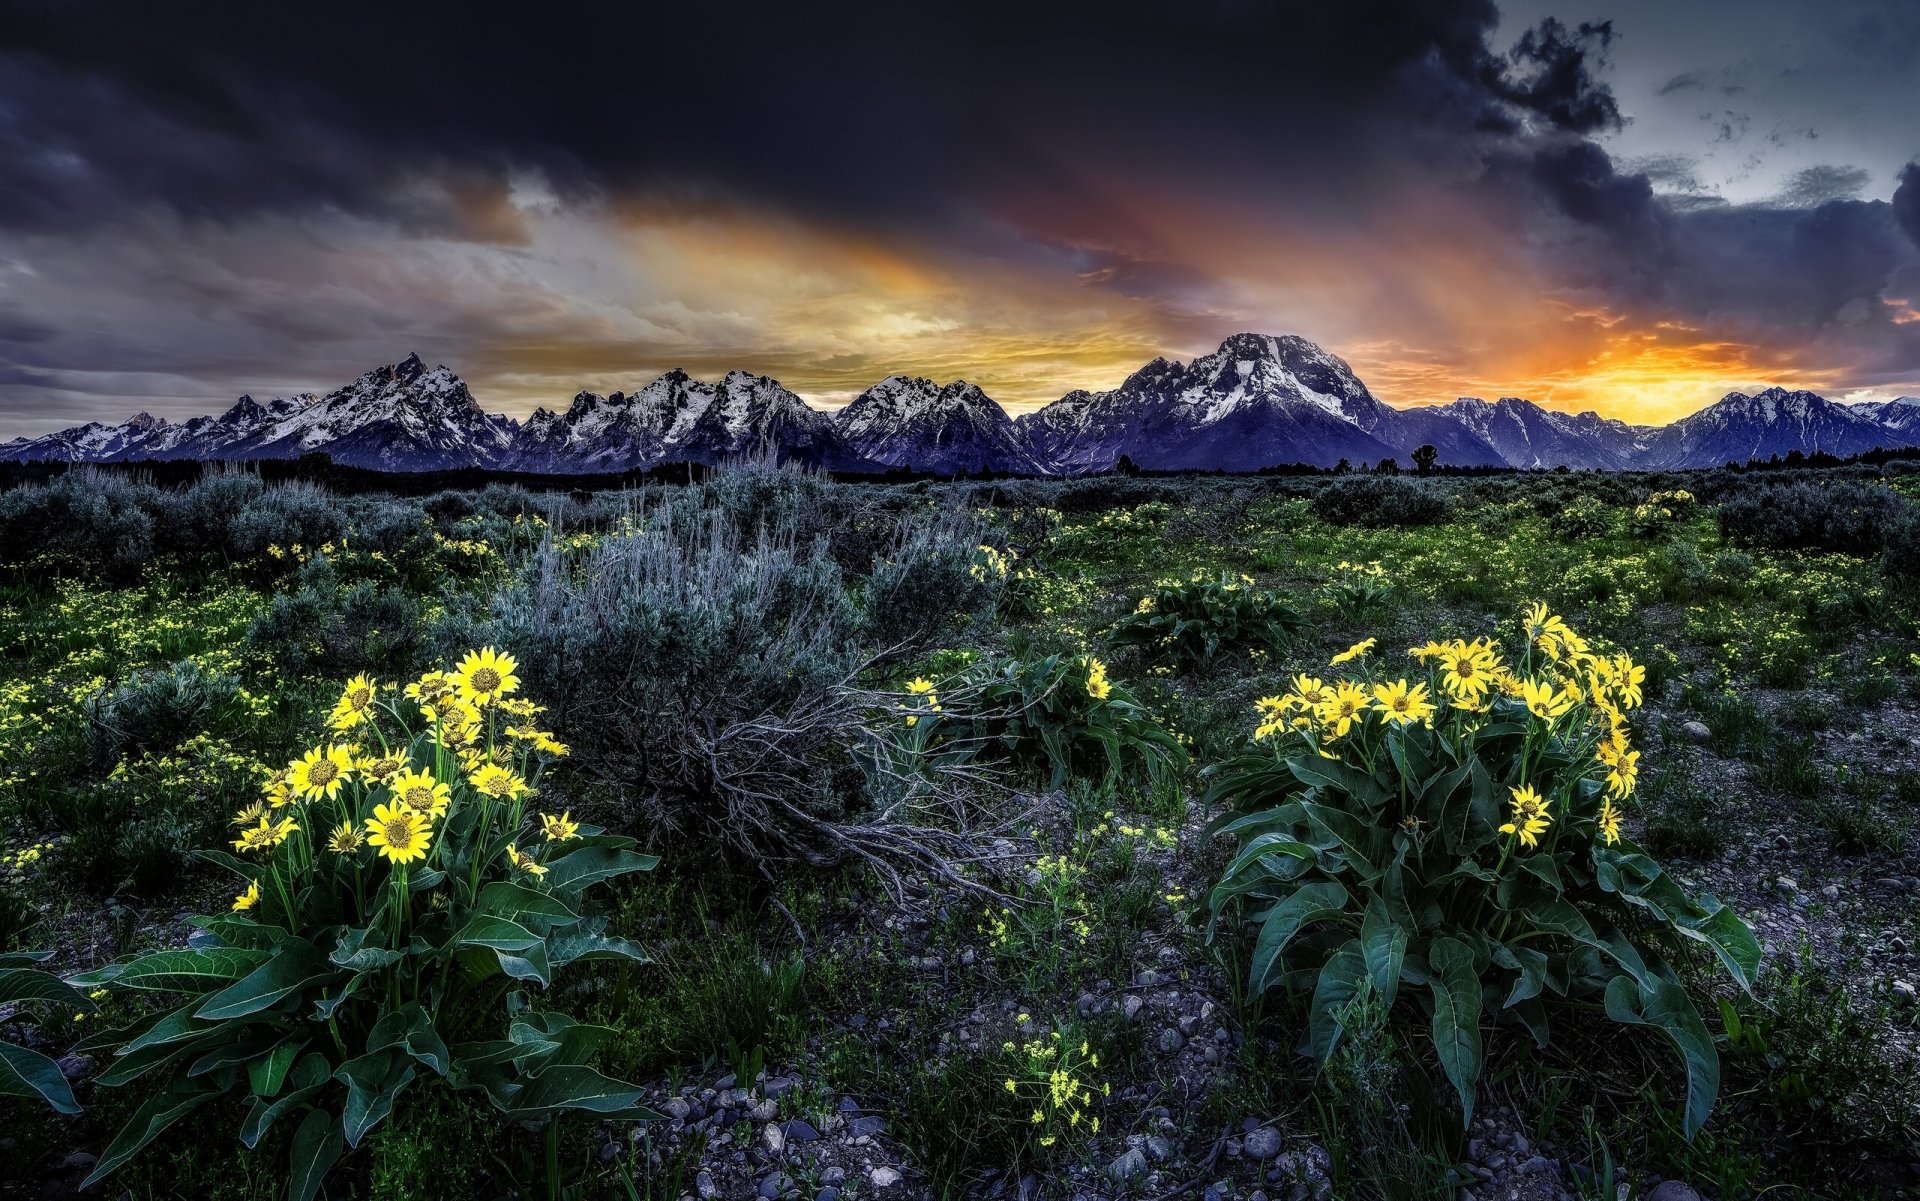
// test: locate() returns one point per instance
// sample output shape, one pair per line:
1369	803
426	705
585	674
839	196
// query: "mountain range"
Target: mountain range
1258	401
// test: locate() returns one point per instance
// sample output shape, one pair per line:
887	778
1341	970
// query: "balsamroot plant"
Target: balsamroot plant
1190	622
25	1072
1455	839
397	881
1061	713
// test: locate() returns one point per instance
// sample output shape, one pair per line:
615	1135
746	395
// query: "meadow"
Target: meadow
1545	835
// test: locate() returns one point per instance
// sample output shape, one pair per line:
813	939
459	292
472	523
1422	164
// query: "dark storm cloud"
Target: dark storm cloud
315	139
1906	201
1813	186
868	111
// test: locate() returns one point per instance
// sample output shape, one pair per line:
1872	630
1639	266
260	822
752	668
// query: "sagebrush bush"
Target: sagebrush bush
711	671
197	522
1376	501
87	520
155	709
289	514
1852	518
322	626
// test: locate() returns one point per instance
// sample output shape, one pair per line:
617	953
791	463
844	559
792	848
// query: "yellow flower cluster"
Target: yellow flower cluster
994	563
401	827
1563	683
1058	1081
921	694
1332	711
1097	686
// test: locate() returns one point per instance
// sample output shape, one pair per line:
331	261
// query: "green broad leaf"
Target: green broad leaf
528	906
125	1069
316	1148
566	1087
1349	833
1532	1015
410	1029
530	964
308	1078
497	933
1666	1007
328	1003
1255	853
1338	777
1411	748
1282	921
1730	938
373	1081
179	971
1561	917
294	968
239	930
178	1099
351	952
20	985
1542	868
266	1075
112	1038
233	863
27	1073
230	1055
574	946
1532	966
1341	978
23	958
1456	1018
1383	944
1279	819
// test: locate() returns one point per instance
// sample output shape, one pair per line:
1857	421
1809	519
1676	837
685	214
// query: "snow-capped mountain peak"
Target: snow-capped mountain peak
1257	400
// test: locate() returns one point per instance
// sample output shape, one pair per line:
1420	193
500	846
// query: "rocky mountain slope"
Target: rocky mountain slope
1257	401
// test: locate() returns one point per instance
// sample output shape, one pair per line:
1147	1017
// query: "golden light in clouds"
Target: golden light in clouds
1426	302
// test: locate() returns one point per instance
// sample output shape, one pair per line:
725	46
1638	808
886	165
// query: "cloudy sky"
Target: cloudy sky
1626	205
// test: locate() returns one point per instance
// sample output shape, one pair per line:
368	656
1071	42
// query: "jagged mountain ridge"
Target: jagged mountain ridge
1256	401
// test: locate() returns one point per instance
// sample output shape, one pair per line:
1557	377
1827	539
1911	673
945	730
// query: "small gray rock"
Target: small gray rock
1159	1149
676	1107
1263	1143
1131	1007
1131	1165
1170	1040
828	1193
798	1131
1696	731
703	1184
1672	1190
883	1177
865	1126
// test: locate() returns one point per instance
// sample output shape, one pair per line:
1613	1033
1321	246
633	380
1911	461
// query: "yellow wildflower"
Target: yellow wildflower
485	676
1351	653
1530	817
1401	704
399	833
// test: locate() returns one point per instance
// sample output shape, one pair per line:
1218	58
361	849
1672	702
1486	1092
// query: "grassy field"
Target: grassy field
957	805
